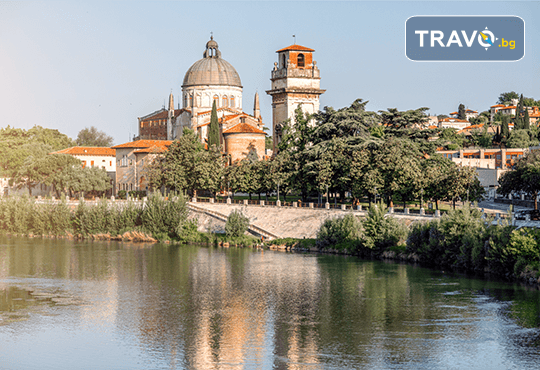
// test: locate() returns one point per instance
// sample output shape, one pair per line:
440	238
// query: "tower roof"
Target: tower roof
295	48
212	69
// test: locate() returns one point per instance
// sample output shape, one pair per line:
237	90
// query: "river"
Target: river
110	305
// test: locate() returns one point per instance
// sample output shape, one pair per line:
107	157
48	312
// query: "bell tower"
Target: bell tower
295	80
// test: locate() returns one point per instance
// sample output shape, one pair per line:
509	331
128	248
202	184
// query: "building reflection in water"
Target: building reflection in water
207	308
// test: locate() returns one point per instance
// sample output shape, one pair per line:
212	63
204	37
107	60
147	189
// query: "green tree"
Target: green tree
213	130
398	161
520	138
505	130
16	145
410	119
295	140
179	163
525	177
507	97
208	170
519	123
237	224
526	120
93	137
53	138
461	112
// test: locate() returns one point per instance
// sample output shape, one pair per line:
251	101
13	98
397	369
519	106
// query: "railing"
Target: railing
253	228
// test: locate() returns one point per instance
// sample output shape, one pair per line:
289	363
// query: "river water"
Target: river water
100	305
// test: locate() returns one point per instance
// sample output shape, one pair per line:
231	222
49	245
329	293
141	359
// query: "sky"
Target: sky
71	65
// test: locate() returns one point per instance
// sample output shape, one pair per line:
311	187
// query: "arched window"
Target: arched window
232	102
301	62
224	101
216	99
191	100
185	101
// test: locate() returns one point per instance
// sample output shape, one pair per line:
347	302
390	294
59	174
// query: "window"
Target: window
301	62
123	161
283	65
508	156
110	163
83	164
224	101
191	100
185	101
232	102
216	99
242	119
92	163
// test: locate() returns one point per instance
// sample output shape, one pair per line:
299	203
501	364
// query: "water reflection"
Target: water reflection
204	308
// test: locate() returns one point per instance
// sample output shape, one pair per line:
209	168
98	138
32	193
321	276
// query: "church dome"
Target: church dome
211	69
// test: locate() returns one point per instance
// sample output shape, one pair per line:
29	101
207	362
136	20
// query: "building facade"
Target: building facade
210	79
295	80
132	160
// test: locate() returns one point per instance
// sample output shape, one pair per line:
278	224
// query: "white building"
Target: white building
100	157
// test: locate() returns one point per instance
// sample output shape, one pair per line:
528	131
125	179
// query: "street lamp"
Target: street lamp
421	198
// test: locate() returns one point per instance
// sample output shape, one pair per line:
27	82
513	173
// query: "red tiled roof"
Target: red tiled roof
164	114
472	127
243	128
497	105
509	107
454	113
453	120
87	150
153	149
295	47
470	111
144	144
432	126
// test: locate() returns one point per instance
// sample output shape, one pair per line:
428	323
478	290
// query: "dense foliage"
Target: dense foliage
93	137
163	219
461	239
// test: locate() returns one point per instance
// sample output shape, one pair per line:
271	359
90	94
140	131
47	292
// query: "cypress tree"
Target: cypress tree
519	122
526	120
213	132
461	112
505	131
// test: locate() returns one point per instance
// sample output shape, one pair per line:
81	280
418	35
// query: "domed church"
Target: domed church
210	79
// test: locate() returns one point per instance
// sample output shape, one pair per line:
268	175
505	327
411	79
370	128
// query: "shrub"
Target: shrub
237	224
164	217
381	232
342	233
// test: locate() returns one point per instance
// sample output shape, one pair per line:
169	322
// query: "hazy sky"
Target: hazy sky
70	65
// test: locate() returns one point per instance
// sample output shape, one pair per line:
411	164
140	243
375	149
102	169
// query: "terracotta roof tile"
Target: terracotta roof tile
453	120
295	47
152	149
144	144
497	105
164	114
243	128
87	150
